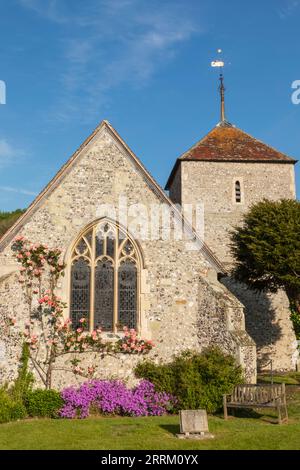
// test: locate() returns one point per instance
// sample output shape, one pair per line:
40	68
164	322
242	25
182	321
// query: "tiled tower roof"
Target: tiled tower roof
227	143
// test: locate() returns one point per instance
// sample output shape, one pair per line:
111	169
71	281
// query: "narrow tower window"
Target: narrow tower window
238	194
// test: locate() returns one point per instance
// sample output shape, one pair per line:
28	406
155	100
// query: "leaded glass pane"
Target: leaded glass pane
127	287
99	244
81	247
89	237
80	291
110	245
122	236
104	295
128	248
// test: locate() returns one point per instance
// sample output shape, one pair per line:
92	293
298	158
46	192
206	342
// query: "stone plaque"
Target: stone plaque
193	421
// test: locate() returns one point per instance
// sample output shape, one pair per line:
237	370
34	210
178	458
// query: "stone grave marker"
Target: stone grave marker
194	425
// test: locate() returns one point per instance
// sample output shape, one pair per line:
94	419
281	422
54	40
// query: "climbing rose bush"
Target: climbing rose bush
46	331
132	344
113	397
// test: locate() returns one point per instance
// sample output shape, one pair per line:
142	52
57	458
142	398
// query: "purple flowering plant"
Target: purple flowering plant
113	397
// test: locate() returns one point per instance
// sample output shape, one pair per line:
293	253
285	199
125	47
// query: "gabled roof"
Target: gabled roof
106	126
227	143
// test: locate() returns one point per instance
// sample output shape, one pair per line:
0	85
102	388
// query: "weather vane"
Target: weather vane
220	63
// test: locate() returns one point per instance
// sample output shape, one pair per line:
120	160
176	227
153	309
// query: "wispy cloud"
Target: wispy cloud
17	190
288	8
109	43
46	8
8	153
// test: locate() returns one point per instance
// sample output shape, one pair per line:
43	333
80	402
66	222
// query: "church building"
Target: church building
128	265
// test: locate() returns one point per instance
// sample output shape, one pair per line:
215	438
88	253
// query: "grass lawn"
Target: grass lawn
145	433
253	432
289	378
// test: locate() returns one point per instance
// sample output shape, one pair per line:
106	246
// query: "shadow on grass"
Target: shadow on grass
171	428
239	413
253	414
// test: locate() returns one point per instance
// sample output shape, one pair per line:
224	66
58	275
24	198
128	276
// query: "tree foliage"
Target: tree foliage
7	219
267	248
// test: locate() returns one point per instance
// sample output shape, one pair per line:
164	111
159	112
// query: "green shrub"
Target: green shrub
10	409
25	379
197	380
295	317
43	403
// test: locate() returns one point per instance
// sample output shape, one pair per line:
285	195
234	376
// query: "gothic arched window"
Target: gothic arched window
105	278
238	192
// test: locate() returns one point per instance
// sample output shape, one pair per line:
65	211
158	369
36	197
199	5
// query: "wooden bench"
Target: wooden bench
258	396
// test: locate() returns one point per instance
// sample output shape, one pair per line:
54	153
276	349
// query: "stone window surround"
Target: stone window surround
142	286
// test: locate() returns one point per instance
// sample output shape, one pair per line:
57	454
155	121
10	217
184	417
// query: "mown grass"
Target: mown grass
289	378
252	431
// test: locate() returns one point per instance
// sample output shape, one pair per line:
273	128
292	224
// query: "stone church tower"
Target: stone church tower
227	171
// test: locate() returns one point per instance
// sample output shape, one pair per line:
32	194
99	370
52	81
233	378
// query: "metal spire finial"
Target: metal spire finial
222	95
220	63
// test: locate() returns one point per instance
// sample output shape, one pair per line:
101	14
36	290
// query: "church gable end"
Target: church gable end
165	283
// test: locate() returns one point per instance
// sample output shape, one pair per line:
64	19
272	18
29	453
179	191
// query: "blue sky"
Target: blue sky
145	66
